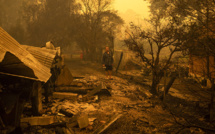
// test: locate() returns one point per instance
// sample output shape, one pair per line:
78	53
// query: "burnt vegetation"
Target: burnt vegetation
166	87
176	30
91	24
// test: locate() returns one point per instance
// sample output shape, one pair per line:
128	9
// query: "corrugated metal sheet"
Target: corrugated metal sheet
43	55
17	61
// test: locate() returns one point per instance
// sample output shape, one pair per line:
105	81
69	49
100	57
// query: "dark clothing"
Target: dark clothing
107	59
108	67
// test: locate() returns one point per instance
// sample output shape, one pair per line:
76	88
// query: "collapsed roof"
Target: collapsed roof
43	55
15	60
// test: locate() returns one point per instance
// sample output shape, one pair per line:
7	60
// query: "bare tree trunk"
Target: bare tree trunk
155	81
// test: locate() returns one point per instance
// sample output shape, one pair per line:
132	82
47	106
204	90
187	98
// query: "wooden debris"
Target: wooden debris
65	77
79	90
55	125
83	121
97	91
37	98
76	84
72	122
88	98
104	127
79	77
38	120
104	92
91	120
70	96
94	91
69	131
66	112
69	110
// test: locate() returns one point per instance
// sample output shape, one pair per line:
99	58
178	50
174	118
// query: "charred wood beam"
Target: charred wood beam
119	61
37	98
73	89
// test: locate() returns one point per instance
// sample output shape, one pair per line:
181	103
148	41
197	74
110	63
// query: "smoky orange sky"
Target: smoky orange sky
140	7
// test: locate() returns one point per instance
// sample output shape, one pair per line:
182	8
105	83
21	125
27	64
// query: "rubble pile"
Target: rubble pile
77	112
38	93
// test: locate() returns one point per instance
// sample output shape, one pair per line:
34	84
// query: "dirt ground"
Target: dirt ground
142	113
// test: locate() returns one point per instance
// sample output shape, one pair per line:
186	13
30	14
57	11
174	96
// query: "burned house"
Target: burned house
24	72
30	77
21	78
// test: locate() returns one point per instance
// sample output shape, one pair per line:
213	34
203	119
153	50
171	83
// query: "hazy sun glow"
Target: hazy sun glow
138	6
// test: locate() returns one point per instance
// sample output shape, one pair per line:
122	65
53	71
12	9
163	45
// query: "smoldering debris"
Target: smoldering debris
27	73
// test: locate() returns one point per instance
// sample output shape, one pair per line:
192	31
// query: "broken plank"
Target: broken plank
97	91
94	91
104	127
35	121
73	84
60	95
66	112
78	77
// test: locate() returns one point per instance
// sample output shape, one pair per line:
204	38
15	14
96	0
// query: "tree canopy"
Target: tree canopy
91	24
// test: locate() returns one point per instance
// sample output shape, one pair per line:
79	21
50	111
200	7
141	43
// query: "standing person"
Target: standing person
107	61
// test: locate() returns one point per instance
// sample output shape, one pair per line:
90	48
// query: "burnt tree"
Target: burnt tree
157	45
